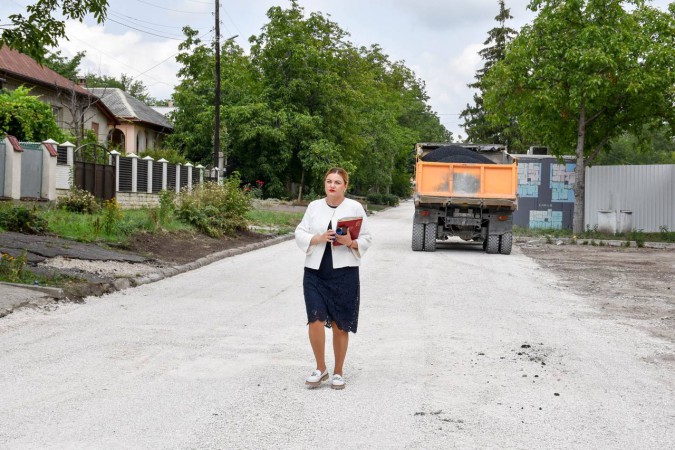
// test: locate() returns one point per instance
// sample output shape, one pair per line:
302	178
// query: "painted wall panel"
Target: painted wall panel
545	193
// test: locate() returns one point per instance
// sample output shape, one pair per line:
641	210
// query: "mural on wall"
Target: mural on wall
529	179
562	182
545	193
546	219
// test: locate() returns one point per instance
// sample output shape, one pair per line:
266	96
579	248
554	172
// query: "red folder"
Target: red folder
353	224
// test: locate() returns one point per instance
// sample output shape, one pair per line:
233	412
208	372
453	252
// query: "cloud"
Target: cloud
446	81
130	53
449	15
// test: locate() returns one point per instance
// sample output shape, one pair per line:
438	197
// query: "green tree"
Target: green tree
300	60
654	146
584	73
26	117
478	128
304	100
38	29
135	88
67	67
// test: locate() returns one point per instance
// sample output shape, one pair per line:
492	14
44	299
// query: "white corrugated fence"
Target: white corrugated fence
642	195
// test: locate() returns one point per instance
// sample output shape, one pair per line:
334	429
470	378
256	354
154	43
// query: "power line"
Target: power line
117	60
145	27
235	25
143	21
143	31
174	10
165	60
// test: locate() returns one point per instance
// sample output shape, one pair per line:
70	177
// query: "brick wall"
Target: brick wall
136	200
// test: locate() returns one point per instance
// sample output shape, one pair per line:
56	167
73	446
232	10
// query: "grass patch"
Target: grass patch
28	277
96	227
376	208
639	236
283	221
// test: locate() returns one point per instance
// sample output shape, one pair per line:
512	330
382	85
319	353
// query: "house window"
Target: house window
94	128
58	115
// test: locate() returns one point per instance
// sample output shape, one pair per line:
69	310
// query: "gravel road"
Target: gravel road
455	349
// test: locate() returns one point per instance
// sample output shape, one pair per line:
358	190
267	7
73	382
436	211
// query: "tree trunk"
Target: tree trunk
302	184
580	174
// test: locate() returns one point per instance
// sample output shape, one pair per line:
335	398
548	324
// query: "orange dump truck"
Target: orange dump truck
473	199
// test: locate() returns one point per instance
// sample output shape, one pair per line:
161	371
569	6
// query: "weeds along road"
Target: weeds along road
455	349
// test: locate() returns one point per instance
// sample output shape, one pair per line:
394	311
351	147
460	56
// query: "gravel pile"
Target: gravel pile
111	269
456	154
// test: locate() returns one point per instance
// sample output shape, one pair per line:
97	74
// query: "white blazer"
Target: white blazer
315	221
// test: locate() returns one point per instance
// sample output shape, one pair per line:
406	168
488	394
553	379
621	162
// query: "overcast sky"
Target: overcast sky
438	39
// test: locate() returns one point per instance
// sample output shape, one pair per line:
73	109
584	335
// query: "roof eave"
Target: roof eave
43	83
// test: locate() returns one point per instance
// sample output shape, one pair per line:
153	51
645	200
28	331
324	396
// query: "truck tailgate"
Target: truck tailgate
482	181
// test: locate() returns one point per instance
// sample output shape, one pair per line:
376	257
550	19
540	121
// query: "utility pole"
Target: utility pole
216	130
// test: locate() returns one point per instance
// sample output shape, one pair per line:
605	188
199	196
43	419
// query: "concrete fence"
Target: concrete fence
27	169
46	170
138	182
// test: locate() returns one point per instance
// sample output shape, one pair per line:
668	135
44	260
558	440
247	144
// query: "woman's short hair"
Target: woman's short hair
338	171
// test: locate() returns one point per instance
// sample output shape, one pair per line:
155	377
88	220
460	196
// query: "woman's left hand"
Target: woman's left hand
344	239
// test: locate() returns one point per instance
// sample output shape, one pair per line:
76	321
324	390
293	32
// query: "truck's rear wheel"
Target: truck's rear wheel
505	243
418	237
430	237
492	245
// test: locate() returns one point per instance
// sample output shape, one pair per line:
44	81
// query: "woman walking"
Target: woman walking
331	279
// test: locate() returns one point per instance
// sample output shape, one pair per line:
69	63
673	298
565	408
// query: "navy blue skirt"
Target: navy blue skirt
332	295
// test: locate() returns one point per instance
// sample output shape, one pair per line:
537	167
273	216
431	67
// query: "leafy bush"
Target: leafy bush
22	220
79	201
390	199
112	215
172	155
167	206
215	209
255	190
639	238
24	115
374	198
382	199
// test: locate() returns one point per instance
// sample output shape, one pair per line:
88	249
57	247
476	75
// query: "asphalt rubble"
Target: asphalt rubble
99	268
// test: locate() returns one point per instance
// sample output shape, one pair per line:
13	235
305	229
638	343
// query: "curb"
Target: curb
124	283
51	291
592	242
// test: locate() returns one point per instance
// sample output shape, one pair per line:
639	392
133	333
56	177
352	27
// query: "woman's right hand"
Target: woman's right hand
328	236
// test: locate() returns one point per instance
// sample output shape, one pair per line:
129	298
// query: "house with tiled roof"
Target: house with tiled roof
140	127
75	108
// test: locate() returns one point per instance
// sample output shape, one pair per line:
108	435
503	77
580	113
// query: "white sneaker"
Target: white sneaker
316	378
337	382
